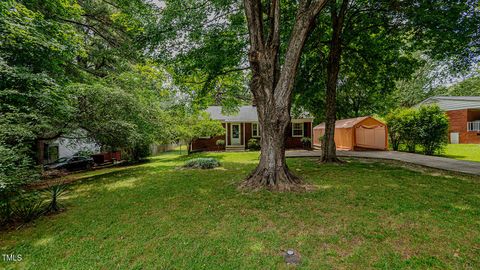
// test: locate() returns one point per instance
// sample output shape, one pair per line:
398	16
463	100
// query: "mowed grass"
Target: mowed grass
363	215
463	151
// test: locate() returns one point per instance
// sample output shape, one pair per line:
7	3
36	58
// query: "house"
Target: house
66	147
242	126
361	133
464	117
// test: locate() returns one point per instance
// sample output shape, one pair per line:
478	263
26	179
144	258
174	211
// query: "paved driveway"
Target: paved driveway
448	164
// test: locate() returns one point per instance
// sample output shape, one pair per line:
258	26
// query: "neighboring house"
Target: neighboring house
242	126
66	147
361	133
464	117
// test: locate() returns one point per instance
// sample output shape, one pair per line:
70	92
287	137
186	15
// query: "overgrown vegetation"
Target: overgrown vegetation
426	126
27	205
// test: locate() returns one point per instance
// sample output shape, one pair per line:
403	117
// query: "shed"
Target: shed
360	133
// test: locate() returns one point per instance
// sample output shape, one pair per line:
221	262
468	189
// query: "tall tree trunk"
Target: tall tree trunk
329	153
272	86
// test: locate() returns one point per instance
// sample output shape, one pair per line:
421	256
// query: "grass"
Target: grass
158	216
469	152
463	151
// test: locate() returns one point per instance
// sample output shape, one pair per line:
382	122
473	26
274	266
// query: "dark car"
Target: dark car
71	164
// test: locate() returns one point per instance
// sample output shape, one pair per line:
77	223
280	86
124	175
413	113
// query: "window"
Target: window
297	129
255	130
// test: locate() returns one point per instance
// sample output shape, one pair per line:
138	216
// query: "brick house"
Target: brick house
464	116
243	126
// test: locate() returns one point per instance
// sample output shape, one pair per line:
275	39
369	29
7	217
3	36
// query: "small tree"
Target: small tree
432	128
196	126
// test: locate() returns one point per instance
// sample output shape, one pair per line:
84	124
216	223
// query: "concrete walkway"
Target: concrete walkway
448	164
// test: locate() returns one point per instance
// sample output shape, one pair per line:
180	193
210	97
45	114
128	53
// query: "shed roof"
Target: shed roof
244	114
448	103
345	123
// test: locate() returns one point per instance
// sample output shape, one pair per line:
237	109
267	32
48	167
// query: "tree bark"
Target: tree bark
272	87
272	171
329	153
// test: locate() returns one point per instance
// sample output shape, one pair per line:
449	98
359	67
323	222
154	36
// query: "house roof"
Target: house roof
244	114
448	103
344	123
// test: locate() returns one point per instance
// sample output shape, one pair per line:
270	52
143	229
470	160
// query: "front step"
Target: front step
235	148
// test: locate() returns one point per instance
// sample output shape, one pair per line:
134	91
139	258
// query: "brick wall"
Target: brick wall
210	143
458	123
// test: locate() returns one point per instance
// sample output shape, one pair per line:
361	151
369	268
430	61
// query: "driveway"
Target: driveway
448	164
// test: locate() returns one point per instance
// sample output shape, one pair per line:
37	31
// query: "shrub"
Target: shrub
306	142
426	126
253	144
220	143
54	193
16	170
28	207
432	129
141	151
202	163
394	128
403	128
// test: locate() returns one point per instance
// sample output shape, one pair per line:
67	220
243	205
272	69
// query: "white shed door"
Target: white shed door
371	138
454	138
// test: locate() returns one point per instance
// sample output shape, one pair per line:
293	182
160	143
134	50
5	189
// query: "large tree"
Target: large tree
273	76
213	43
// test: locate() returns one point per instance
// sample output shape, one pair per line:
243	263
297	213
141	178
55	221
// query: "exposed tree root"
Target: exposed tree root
333	159
279	180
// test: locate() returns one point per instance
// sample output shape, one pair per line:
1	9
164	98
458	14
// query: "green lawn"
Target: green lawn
155	216
463	151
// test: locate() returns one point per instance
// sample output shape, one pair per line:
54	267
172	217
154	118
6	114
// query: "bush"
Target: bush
28	207
306	142
202	163
426	126
16	170
394	128
220	143
432	129
403	128
253	144
141	151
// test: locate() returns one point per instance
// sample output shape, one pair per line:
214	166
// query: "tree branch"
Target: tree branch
305	18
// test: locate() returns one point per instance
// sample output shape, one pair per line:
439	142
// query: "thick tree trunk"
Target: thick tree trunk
272	171
272	85
329	153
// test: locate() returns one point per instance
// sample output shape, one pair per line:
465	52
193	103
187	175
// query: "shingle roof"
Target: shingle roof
344	123
245	114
